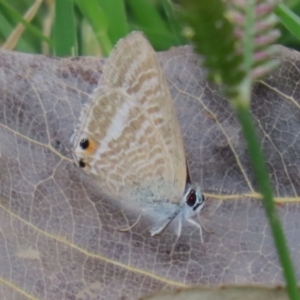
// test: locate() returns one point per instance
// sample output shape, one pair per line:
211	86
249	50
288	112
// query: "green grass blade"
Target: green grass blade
147	16
173	22
6	28
64	36
147	19
10	11
16	34
204	16
290	20
93	12
117	26
263	180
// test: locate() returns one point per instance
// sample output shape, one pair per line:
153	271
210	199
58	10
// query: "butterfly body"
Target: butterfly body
129	137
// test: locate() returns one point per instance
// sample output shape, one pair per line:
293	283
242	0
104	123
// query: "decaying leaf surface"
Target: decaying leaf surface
58	237
223	293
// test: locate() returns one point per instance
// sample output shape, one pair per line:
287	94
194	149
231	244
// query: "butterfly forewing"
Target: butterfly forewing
136	150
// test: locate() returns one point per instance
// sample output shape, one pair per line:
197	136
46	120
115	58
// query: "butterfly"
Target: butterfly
129	138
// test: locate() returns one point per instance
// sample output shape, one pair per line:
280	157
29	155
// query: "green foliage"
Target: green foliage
232	40
93	12
116	17
93	27
10	15
64	29
289	19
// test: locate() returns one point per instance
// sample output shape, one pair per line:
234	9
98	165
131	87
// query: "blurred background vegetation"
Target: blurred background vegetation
92	27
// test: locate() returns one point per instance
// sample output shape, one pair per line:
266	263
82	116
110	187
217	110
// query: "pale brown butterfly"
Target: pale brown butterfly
129	138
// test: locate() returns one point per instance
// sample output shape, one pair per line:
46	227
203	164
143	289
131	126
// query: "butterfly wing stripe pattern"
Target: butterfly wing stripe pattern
133	67
135	146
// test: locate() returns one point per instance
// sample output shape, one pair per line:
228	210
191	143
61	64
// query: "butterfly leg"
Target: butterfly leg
179	227
165	224
177	236
130	227
160	229
197	225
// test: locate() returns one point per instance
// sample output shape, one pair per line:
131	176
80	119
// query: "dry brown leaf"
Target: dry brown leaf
58	237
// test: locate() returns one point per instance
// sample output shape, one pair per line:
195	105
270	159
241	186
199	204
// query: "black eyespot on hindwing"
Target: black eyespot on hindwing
81	164
84	144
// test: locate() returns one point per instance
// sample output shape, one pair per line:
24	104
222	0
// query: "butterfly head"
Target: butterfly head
192	201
